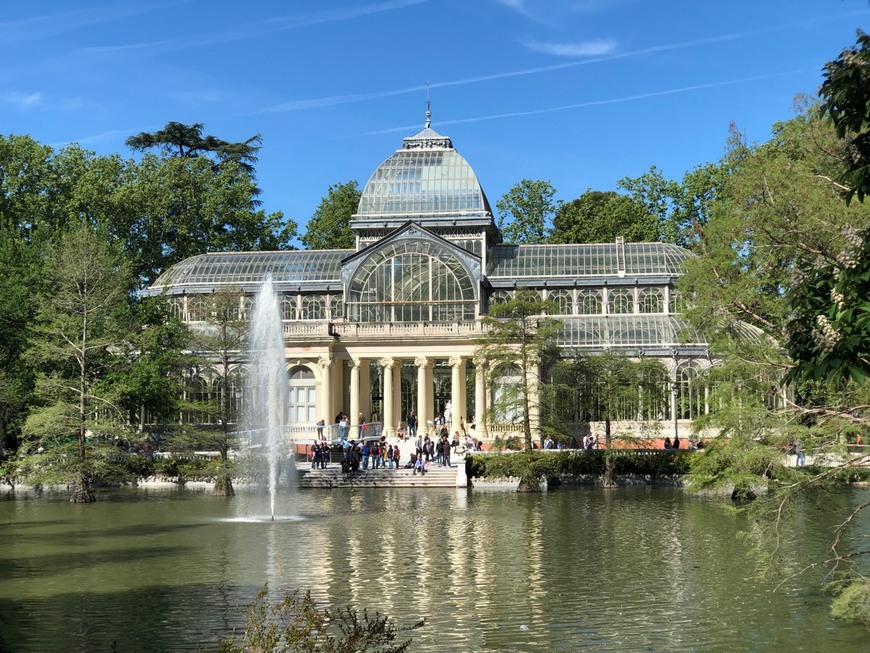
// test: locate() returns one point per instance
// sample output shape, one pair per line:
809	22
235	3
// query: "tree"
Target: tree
178	207
149	383
599	217
845	94
680	209
614	381
519	340
186	141
70	437
526	211
200	196
770	282
20	283
329	227
220	342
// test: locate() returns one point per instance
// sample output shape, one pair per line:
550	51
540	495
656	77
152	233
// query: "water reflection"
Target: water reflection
633	569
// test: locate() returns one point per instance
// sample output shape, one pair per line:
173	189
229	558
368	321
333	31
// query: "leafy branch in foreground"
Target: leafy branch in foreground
297	624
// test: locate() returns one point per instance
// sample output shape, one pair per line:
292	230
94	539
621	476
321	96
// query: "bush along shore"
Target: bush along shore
583	467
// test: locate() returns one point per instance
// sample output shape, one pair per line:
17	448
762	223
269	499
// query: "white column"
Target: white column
354	399
326	393
430	390
422	364
457	391
480	400
397	393
365	388
389	417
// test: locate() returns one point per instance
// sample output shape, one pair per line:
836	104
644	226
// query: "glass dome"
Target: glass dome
426	178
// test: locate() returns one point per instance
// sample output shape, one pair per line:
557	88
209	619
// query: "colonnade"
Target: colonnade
332	396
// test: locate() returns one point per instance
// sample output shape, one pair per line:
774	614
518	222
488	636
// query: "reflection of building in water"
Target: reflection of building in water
393	324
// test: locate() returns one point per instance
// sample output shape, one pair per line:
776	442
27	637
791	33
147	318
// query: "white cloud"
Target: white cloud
595	48
21	100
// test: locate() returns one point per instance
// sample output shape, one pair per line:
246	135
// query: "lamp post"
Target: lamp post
675	388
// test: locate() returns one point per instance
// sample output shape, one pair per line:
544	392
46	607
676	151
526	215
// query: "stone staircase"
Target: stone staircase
332	477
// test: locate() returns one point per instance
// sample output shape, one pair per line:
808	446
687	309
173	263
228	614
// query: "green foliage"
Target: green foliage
580	463
519	340
526	211
845	94
298	624
852	602
174	208
737	465
829	322
329	227
186	141
599	217
155	353
679	209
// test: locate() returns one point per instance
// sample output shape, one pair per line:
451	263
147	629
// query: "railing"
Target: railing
406	329
309	433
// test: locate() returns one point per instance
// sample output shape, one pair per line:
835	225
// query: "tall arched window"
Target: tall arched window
563	300
691	390
312	308
411	281
589	301
499	297
651	300
336	307
620	301
288	307
176	308
197	308
247	307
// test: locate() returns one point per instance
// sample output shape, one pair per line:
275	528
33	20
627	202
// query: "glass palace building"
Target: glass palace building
393	325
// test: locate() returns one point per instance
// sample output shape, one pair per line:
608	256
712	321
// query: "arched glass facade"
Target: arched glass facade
411	281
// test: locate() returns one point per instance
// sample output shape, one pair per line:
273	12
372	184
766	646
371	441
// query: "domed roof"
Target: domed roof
426	178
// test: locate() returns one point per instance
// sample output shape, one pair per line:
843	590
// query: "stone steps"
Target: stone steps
332	477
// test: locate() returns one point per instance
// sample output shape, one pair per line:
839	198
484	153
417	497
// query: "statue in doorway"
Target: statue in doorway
448	413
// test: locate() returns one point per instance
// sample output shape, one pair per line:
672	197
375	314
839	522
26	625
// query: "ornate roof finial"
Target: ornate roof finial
428	108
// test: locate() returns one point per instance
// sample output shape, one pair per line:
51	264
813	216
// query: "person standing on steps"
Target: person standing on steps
412	424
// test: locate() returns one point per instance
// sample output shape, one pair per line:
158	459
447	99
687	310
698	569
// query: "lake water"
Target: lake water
635	569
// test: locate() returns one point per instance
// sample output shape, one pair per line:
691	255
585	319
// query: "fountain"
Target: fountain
267	399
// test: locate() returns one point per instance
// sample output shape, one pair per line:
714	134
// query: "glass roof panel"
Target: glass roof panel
587	260
244	268
627	331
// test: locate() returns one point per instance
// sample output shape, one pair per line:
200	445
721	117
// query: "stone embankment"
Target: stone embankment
332	477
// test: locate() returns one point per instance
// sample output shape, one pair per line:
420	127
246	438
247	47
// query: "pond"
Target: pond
649	569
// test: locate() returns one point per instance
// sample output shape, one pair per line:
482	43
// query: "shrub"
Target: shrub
297	624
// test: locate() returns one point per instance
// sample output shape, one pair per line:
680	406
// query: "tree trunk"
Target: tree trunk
530	479
529	484
609	477
223	484
82	492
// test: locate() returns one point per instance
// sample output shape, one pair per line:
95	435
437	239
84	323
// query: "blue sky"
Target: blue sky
577	92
